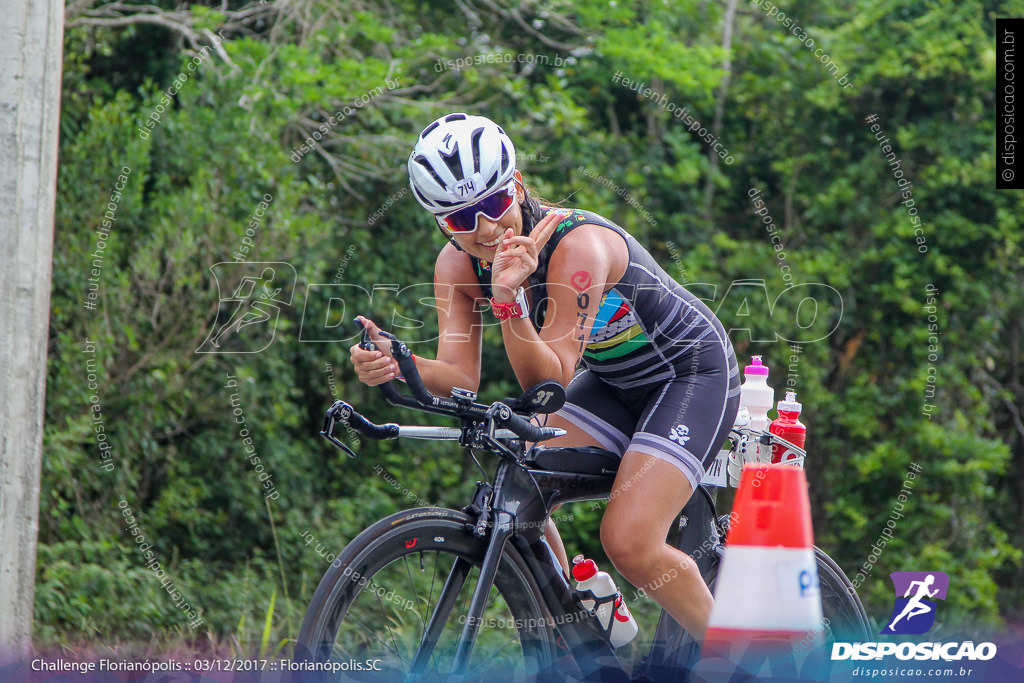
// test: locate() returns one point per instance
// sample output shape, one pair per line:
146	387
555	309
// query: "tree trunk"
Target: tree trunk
716	123
30	60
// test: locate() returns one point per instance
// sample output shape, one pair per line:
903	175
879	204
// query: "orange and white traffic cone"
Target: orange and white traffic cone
767	601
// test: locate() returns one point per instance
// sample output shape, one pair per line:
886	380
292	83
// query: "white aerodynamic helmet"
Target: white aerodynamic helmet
457	159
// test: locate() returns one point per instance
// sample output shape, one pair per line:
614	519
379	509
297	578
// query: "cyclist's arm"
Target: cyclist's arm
584	265
458	348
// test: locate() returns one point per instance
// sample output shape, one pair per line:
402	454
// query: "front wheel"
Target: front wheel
375	606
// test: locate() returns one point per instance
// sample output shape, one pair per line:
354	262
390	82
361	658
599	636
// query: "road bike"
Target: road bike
437	594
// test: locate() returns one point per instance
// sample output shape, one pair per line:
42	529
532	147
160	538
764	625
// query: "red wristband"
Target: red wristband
518	309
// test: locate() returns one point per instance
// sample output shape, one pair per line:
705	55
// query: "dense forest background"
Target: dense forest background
598	97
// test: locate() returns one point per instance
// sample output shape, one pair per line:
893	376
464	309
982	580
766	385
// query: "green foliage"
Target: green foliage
229	137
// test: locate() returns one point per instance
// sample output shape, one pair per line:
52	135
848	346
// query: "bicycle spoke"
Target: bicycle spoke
412	584
433	581
449	653
368	631
433	655
491	656
373	634
388	624
423	620
449	595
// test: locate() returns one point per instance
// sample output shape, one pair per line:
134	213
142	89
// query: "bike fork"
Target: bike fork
449	594
482	592
445	603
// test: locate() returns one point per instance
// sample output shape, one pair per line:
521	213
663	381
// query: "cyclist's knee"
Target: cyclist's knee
630	550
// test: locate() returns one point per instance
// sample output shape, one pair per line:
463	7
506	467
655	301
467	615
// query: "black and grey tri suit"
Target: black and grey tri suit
660	374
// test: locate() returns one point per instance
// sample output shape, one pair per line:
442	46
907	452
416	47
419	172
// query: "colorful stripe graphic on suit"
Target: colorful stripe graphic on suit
616	331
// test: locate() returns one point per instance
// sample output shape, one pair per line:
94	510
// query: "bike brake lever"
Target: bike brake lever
364	342
367	344
328	433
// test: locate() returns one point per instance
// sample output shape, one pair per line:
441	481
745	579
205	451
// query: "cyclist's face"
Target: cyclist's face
484	242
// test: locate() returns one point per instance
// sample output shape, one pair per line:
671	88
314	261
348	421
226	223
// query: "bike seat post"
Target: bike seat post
503	525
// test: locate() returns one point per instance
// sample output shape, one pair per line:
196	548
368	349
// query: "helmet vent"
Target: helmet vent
421	160
504	159
440	202
475	147
454	117
419	196
453	162
429	128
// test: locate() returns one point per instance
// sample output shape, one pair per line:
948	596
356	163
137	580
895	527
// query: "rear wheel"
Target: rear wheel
370	613
845	616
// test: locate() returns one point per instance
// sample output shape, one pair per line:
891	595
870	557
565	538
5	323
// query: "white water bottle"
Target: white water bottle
623	626
758	398
756	395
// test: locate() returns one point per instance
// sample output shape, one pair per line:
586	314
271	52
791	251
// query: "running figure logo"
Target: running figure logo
247	320
914	611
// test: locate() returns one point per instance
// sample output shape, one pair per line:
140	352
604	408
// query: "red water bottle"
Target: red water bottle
788	426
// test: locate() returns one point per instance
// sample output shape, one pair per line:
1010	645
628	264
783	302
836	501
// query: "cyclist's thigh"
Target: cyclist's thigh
593	415
686	422
648	494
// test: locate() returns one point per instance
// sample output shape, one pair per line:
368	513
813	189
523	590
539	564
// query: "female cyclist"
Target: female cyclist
660	384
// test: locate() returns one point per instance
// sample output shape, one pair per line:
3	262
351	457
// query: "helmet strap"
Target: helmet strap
530	210
450	238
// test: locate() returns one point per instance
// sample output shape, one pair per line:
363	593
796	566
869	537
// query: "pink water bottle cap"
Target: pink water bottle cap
755	367
583	569
790	405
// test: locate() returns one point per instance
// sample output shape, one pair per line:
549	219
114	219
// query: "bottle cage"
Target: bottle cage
615	598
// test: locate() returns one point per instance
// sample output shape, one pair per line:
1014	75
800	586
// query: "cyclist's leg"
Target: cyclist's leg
682	427
592	416
648	495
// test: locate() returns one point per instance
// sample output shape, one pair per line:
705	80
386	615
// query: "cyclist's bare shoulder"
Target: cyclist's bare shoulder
454	268
593	249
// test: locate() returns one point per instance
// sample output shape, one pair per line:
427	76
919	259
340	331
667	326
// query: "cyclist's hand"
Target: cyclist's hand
517	256
374	367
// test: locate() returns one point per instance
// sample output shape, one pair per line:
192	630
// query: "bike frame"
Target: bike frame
515	510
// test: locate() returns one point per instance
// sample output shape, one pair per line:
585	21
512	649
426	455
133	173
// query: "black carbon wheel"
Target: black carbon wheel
375	602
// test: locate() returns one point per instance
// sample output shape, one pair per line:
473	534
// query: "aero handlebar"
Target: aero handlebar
498	414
